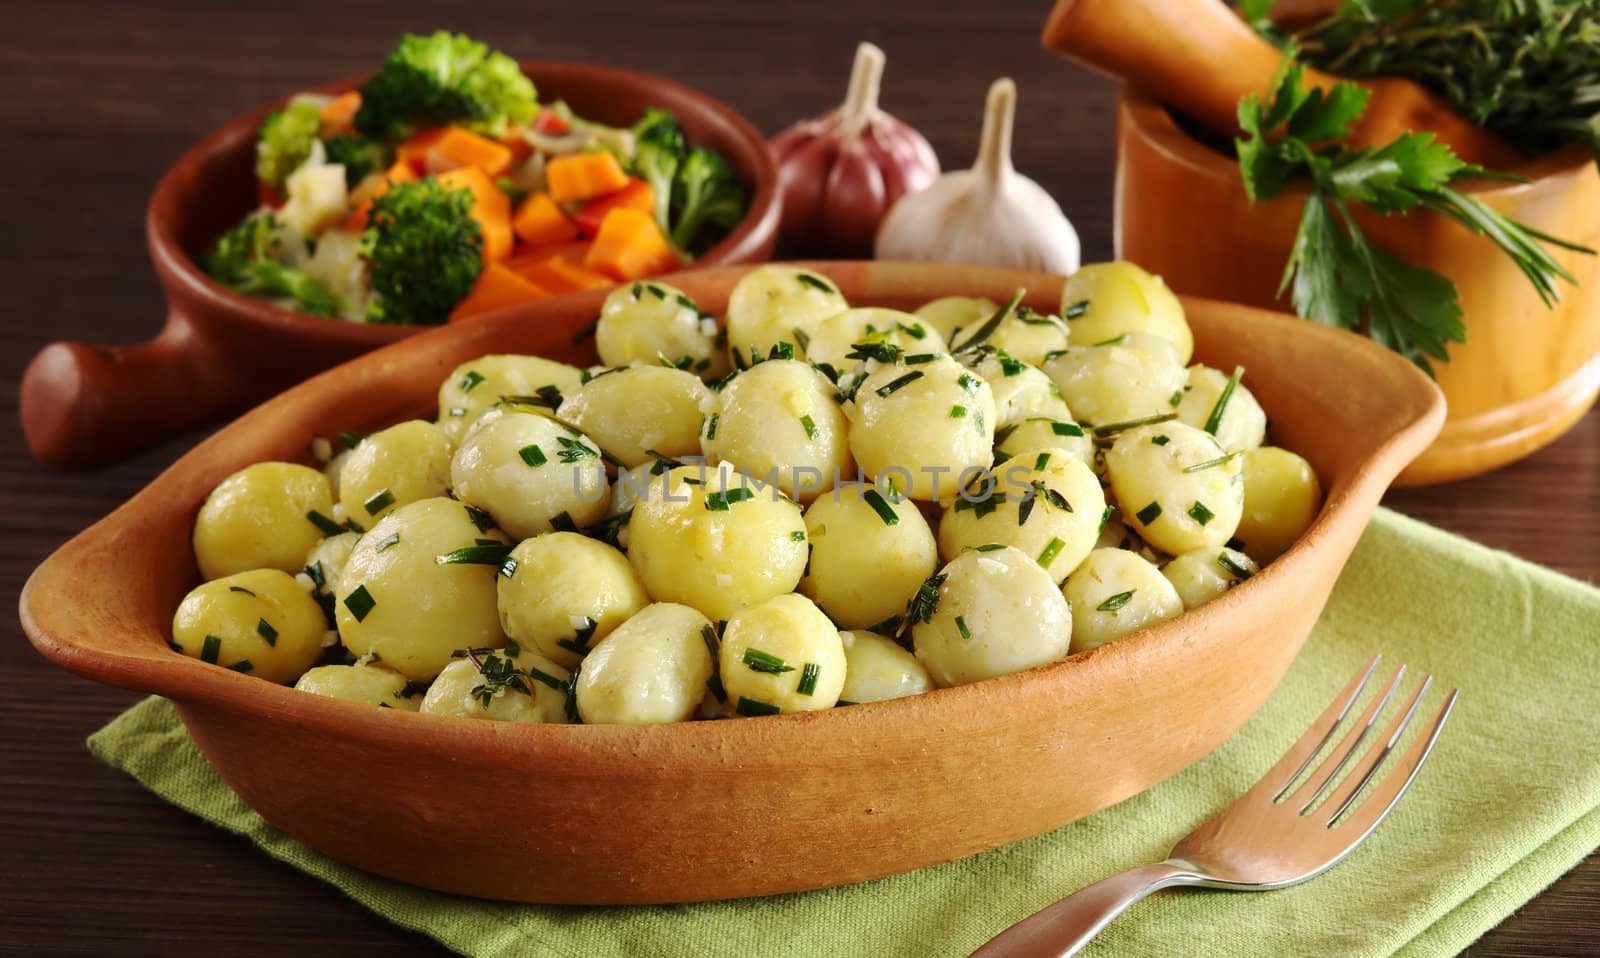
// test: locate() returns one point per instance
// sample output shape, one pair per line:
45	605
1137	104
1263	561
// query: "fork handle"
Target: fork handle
1062	929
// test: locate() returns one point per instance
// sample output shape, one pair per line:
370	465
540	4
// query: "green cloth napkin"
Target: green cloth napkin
1509	801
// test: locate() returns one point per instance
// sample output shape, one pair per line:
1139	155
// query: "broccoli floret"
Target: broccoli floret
360	156
706	191
284	141
659	148
442	79
425	251
245	258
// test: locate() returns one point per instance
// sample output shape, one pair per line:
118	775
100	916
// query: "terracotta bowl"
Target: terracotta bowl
705	810
221	352
1526	373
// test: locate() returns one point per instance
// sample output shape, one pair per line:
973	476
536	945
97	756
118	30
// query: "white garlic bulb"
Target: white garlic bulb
989	215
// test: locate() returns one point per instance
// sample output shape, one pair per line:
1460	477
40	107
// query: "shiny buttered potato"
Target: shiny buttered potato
561	592
1024	333
869	553
1104	300
780	421
992	612
636	410
652	670
716	540
265	516
1115	592
950	313
878	669
1021	391
1176	486
1281	497
771	303
921	426
367	684
651	322
259	622
1202	575
835	338
529	472
1240	423
472	388
1134	376
420	585
535	692
394	467
781	655
1043	501
1063	434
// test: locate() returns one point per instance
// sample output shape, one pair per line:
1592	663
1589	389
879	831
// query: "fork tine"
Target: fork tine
1300	754
1351	788
1371	813
1328	772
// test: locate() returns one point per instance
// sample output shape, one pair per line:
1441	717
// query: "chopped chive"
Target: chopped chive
1112	341
711	426
1004	433
709	635
360	602
474	555
547	397
991	547
328	526
816	282
1231	567
917	359
720	501
573	450
1214	421
1116	602
508	568
1160	440
759	661
753	707
1149	513
316	575
883	352
885	512
1176	399
350	439
808	678
211	649
1105	516
900	383
563	522
1210	463
480	518
1131	423
802	337
470	380
543	677
961	626
797	536
1040	463
1066	429
781	350
1009	365
969	383
977	421
456	412
1051	550
958	412
810	427
1200	513
989	325
926	600
266	631
240	588
533	456
1236	544
388	541
588	330
1077	309
243	665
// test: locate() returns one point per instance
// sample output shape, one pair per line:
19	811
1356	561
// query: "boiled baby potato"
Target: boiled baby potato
325	563
1043	501
561	592
1021	391
265	516
650	322
1038	433
781	655
473	387
1202	575
1176	486
1281	498
259	622
715	540
1133	376
921	426
989	612
421	585
651	670
1115	592
393	467
1242	423
1024	333
878	669
780	421
835	337
514	685
365	683
869	553
1105	300
947	314
778	304
636	410
532	474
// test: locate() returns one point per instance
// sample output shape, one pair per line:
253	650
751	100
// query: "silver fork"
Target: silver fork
1272	836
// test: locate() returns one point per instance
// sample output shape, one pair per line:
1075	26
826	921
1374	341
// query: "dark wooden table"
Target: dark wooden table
97	98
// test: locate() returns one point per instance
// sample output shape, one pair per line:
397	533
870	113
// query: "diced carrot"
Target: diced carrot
339	113
558	275
572	252
414	152
539	220
581	176
497	286
457	147
630	246
637	195
490	207
370	189
582	276
551	122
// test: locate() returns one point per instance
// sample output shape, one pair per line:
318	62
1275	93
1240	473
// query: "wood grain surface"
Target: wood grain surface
97	98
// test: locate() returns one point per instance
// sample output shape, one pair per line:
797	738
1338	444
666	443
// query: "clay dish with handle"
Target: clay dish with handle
221	352
599	814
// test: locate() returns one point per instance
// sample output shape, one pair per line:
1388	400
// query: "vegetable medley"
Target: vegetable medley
825	505
443	188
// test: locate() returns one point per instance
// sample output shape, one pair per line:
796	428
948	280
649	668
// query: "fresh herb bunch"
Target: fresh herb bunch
1528	70
1338	276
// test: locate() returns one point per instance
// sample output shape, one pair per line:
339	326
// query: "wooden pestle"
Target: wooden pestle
1198	56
